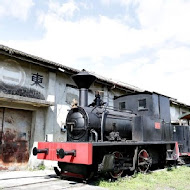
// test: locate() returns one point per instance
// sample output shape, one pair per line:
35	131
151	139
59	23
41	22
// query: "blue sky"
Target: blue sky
144	43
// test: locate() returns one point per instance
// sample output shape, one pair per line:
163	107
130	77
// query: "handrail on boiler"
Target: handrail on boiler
102	122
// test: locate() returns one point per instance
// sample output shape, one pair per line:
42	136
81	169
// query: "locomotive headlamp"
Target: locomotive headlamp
61	153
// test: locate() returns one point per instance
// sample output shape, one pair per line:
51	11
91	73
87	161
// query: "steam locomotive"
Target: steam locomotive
135	135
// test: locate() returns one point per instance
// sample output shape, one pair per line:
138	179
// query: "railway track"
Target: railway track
39	180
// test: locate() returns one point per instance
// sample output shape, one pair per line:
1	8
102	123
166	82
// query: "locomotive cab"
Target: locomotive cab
153	115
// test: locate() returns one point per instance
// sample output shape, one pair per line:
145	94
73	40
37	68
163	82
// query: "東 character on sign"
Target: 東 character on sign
37	79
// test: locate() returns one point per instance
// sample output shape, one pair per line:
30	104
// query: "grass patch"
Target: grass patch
39	167
175	179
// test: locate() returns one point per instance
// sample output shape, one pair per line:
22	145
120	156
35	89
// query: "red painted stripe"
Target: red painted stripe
83	152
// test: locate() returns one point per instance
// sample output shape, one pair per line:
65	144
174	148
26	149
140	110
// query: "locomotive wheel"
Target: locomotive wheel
144	161
117	173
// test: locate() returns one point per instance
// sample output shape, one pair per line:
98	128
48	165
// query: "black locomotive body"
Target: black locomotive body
93	124
134	135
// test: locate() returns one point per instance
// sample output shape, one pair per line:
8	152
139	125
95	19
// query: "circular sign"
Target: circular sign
12	74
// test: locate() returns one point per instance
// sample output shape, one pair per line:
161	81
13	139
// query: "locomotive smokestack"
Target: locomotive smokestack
83	80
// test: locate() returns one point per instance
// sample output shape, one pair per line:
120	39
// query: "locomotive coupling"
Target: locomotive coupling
38	151
61	153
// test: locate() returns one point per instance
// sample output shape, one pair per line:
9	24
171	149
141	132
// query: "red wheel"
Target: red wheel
116	173
144	161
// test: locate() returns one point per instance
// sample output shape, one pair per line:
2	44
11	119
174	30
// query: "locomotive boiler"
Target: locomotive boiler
134	135
96	122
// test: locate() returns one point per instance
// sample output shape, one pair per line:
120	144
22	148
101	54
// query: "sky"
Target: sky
144	43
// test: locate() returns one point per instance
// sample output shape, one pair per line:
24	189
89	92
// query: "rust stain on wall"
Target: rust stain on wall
14	150
15	137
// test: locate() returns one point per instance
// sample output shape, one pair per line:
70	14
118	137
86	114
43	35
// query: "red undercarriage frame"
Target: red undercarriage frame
83	152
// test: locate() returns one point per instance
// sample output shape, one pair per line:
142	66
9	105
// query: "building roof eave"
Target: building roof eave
25	100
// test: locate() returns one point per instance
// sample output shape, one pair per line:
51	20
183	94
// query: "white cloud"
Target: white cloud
168	74
174	60
106	2
18	8
89	37
164	30
128	71
65	10
166	18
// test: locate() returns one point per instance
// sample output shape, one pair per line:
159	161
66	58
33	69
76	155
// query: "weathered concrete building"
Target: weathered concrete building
35	95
